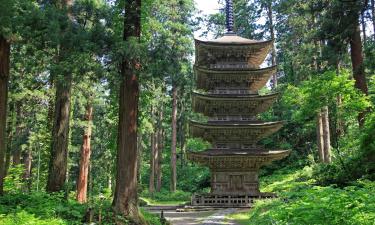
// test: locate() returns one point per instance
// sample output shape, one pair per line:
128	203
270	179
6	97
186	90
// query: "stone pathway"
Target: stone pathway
214	217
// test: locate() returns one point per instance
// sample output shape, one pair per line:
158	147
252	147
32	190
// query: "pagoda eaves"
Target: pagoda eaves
246	106
245	78
215	54
234	132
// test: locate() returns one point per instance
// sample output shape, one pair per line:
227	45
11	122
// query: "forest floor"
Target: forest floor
212	217
302	201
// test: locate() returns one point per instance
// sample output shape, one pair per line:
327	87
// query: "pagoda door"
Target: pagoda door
236	183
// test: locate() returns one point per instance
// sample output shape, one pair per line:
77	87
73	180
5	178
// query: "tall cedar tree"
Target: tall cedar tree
4	82
125	201
356	51
84	162
174	140
60	131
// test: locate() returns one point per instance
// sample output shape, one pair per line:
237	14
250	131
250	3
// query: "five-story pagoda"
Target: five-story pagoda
229	76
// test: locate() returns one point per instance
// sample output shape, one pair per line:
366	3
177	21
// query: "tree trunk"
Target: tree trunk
272	32
125	201
28	159
151	187
17	152
326	135
140	151
319	134
4	82
84	161
174	140
60	136
159	151
358	66
58	164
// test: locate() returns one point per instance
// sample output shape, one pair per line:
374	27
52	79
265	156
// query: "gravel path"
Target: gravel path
215	217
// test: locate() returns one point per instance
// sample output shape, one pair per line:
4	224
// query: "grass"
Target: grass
153	202
165	198
39	208
302	202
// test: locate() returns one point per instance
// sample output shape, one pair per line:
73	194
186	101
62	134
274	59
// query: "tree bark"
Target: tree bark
58	165
60	136
17	152
174	140
326	135
84	161
151	187
125	201
4	82
358	66
28	159
159	151
319	134
272	32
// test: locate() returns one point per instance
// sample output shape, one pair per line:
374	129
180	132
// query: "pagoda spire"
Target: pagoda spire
230	17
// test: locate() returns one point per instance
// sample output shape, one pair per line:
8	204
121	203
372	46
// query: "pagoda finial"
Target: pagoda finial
230	19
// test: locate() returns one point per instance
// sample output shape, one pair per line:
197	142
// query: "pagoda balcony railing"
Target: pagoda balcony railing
237	118
230	66
232	92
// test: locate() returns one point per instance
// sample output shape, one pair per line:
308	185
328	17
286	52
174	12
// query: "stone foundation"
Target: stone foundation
227	200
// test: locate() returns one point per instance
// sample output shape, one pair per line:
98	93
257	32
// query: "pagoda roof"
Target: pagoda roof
212	53
230	39
234	131
236	159
217	104
251	79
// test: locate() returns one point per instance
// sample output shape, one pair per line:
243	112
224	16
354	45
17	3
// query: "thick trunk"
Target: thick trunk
272	32
151	187
358	66
159	151
4	82
125	201
326	135
58	164
319	134
174	140
60	136
84	161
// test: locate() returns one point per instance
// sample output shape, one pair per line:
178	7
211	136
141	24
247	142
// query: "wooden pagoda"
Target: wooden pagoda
228	78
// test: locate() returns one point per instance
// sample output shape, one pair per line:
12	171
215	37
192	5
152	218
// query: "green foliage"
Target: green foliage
13	182
323	90
164	197
301	202
41	208
354	164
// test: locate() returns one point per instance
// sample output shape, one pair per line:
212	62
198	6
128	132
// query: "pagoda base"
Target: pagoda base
228	201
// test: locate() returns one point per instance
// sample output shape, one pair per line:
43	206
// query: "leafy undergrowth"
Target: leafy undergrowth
301	202
166	198
44	209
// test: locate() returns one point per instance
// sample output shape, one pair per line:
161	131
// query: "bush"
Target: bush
40	207
301	202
